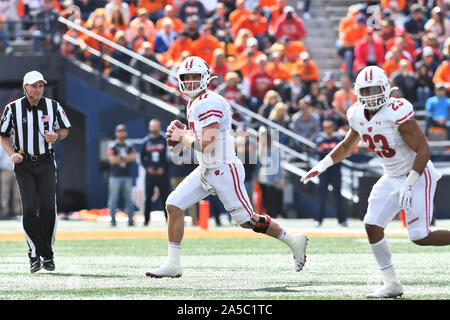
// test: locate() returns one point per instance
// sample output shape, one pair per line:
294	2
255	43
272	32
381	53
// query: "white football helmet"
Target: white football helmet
193	65
372	87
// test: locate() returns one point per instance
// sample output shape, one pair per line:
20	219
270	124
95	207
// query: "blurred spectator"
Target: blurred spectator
246	151
424	85
415	24
191	27
319	101
219	66
85	40
9	188
271	98
442	74
277	69
31	8
192	7
254	22
210	6
289	24
387	30
276	11
270	173
307	69
169	13
280	116
116	71
293	92
68	48
343	99
437	110
240	43
204	46
328	87
121	155
368	52
155	8
116	21
326	142
142	19
165	37
142	85
219	22
429	60
87	7
4	39
245	62
233	92
173	54
139	38
292	49
9	15
405	80
120	5
47	36
347	41
429	40
260	82
156	165
350	19
399	5
238	13
438	24
393	64
305	122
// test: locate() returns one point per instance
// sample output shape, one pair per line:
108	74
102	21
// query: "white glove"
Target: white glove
405	191
317	169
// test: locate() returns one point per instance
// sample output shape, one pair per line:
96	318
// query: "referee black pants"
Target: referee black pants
152	181
37	185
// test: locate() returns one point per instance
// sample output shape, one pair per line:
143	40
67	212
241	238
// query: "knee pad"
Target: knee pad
262	225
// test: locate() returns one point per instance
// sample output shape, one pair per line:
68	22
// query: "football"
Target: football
178	124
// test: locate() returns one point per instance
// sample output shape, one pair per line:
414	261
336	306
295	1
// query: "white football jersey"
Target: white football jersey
204	110
381	134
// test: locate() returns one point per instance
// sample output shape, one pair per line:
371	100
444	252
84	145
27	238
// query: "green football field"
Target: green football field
224	263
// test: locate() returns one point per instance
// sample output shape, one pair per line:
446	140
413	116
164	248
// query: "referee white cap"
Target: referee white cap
33	77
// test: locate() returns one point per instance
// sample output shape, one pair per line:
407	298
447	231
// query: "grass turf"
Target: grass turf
221	269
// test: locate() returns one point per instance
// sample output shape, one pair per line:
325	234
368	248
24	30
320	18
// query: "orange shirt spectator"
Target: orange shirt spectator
267	3
344	97
246	60
173	55
116	21
393	65
277	69
142	18
442	73
205	45
401	4
350	19
153	5
238	13
276	11
401	40
169	13
353	33
292	49
254	22
99	29
306	68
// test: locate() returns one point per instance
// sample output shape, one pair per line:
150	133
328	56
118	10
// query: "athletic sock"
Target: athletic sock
174	253
382	253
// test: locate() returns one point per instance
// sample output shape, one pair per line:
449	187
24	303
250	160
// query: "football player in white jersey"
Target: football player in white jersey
219	172
387	126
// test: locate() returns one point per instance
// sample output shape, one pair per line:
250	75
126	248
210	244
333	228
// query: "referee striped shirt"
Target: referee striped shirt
27	124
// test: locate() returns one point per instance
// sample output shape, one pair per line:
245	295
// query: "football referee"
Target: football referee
28	129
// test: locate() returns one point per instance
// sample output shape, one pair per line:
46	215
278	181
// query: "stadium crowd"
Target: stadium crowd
256	51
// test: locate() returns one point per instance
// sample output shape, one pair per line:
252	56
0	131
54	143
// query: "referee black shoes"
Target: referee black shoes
35	264
48	264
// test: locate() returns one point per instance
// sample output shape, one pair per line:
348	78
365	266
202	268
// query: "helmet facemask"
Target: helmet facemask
372	98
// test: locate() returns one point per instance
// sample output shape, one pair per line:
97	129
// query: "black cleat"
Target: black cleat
48	264
35	264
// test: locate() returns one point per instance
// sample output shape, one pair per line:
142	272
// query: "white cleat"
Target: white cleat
391	290
299	249
166	271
